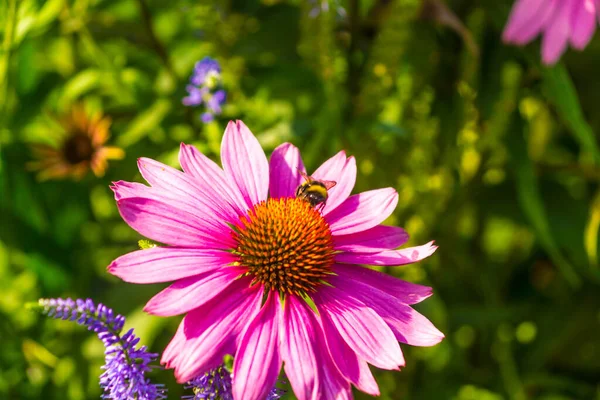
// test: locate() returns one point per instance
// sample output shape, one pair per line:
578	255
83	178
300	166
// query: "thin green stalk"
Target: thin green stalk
105	62
101	58
9	31
158	47
509	371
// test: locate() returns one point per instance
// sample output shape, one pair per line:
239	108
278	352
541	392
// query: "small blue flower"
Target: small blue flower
275	394
125	366
216	385
323	6
205	88
207	72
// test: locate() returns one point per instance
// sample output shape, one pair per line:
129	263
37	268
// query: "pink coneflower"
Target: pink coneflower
266	277
559	21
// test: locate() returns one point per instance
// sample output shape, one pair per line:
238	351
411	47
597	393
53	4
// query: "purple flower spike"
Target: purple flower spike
204	70
125	365
205	88
216	384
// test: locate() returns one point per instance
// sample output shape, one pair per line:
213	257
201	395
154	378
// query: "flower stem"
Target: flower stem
9	31
156	44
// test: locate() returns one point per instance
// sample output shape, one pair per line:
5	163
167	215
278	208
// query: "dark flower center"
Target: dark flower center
286	245
78	148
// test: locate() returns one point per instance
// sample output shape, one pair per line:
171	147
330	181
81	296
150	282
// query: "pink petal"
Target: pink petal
199	166
179	352
298	348
362	211
333	384
363	330
192	192
212	330
245	163
366	381
406	292
126	190
257	361
389	257
165	264
348	363
123	189
331	169
284	166
345	178
407	325
583	23
373	240
175	346
164	223
190	293
557	33
527	19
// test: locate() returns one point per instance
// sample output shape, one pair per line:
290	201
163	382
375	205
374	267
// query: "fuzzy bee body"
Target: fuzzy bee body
314	191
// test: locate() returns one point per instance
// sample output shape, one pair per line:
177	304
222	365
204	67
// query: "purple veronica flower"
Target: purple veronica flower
124	371
205	88
204	70
216	384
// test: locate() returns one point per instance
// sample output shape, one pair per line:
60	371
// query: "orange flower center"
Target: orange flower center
286	245
78	148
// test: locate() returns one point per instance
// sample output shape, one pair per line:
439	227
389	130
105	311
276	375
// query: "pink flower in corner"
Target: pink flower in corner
244	254
559	21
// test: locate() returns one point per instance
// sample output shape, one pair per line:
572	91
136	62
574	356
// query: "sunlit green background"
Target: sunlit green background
494	156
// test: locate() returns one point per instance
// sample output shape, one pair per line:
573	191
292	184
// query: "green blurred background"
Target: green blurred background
494	156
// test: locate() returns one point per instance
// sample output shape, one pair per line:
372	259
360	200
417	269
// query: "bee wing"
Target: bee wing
306	177
329	184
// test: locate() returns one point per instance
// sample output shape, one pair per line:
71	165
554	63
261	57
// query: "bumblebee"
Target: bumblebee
314	191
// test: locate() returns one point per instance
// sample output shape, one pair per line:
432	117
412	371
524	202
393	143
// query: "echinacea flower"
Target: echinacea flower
80	147
125	365
560	23
216	384
205	88
264	276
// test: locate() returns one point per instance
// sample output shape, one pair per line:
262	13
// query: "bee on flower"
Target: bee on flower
79	147
271	275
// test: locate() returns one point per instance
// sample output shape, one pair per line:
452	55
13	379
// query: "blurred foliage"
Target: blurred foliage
494	156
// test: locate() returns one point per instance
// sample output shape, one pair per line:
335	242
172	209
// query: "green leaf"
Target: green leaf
25	19
26	202
561	92
28	73
532	204
49	12
591	231
80	84
52	277
145	122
